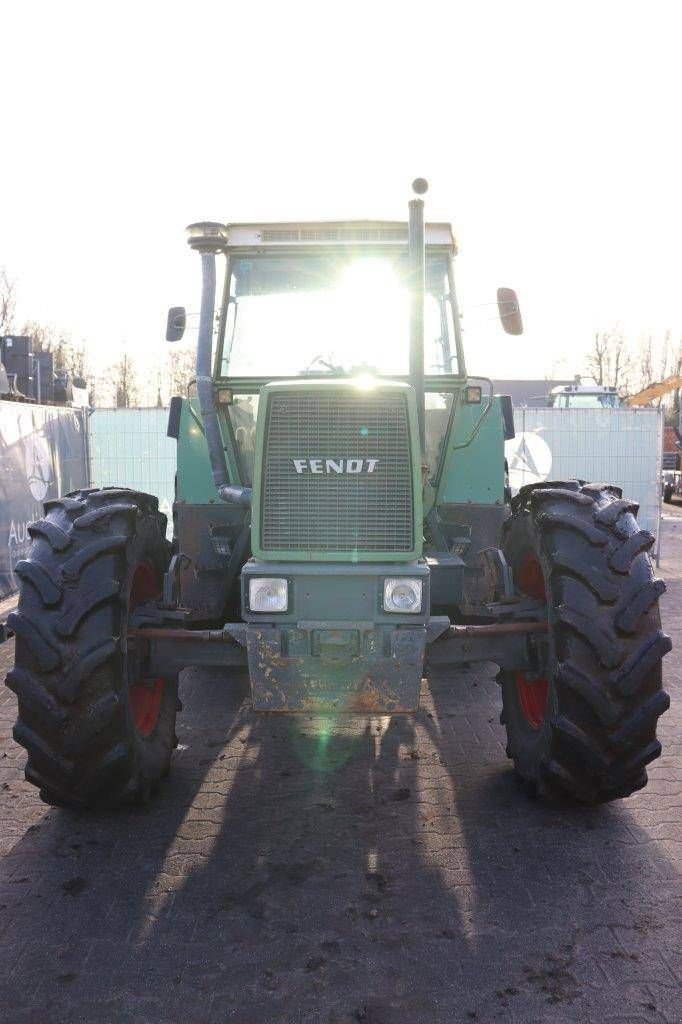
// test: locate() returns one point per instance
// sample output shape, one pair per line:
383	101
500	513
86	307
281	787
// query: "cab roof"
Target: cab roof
578	388
356	233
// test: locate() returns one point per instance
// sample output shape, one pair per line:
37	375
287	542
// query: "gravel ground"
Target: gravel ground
387	872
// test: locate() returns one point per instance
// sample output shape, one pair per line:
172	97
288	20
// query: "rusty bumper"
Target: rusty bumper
332	667
359	667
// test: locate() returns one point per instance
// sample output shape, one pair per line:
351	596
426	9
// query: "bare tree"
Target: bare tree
8	303
676	368
94	391
102	388
126	383
609	360
181	370
597	357
67	354
560	367
159	385
655	361
666	356
656	366
646	363
77	361
47	338
44	337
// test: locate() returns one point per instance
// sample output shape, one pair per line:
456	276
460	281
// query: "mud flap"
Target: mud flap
370	670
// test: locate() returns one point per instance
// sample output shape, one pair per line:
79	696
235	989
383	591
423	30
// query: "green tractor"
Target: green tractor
342	521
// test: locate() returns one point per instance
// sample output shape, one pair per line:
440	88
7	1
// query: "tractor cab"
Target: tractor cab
330	300
584	393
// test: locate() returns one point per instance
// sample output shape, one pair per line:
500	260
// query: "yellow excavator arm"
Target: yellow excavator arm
654	391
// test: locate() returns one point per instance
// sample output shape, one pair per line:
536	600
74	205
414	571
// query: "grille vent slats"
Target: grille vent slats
334	234
364	512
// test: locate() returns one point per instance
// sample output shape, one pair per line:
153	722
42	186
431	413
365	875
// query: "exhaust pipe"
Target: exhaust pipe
417	281
208	239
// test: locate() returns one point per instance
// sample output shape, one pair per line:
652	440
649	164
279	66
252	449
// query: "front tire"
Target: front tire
96	731
583	724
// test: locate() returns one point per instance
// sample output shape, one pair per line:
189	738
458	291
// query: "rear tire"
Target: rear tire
95	733
584	724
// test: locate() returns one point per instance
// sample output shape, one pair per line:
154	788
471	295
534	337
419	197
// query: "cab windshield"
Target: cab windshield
331	314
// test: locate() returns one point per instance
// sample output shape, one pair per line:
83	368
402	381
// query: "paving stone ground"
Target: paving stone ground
297	871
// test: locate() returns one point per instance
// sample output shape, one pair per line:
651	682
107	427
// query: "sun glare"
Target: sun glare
353	320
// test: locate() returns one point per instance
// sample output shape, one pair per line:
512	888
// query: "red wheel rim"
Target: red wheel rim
145	700
532	693
530	579
532	698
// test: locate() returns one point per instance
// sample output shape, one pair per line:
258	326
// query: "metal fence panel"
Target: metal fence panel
129	448
619	446
615	446
42	455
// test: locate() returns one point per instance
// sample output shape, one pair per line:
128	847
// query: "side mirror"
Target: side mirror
175	325
510	314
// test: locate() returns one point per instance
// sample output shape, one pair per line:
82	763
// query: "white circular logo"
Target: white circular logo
38	462
529	458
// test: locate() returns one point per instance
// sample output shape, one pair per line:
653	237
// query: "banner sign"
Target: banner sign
43	454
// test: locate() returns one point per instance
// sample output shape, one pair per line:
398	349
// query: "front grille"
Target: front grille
353	512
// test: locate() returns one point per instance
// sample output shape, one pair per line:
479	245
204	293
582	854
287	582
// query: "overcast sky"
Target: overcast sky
549	132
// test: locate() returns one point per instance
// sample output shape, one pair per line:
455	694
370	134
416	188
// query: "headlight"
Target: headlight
268	594
403	595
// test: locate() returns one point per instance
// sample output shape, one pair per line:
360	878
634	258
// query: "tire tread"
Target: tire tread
609	645
70	659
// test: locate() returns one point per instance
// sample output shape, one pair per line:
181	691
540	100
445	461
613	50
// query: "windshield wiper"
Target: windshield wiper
324	362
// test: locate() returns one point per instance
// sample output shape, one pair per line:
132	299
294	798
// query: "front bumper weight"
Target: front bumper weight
357	668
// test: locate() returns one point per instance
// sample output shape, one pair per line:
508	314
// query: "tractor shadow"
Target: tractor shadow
302	870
